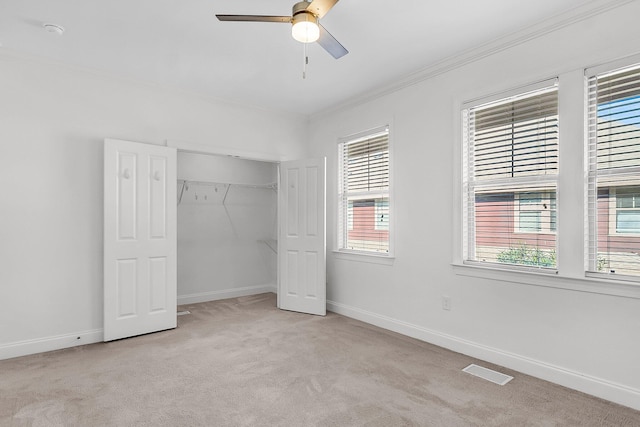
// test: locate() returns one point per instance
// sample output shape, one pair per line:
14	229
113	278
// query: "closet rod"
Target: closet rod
273	186
185	185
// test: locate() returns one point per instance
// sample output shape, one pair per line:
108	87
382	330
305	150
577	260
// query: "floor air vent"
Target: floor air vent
487	374
182	313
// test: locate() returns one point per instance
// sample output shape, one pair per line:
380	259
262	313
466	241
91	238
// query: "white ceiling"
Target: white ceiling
182	44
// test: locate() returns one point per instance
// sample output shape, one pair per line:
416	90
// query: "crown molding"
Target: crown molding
572	16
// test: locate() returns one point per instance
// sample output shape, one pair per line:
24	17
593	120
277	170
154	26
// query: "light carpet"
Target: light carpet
243	362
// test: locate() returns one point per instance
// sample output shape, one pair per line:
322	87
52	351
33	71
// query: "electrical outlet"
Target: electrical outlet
446	302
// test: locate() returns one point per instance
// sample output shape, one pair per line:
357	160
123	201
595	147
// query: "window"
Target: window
510	176
364	210
535	212
613	191
624	211
382	214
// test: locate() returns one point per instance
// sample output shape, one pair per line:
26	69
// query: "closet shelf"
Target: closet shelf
185	183
272	185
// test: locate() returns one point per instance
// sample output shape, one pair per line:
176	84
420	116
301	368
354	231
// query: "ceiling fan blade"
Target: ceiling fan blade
330	44
321	7
254	18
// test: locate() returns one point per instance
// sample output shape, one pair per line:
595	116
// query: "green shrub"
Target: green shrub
602	263
526	255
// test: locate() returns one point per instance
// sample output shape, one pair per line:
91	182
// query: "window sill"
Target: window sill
590	284
364	257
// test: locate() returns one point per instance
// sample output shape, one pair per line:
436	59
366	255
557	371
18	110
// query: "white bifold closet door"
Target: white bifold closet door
301	238
140	238
140	228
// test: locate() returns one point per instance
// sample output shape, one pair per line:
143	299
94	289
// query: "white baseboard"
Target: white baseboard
41	345
58	342
225	293
598	387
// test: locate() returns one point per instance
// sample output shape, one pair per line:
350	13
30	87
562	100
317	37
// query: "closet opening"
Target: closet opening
227	226
233	227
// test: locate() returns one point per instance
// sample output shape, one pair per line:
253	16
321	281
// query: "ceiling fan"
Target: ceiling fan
306	28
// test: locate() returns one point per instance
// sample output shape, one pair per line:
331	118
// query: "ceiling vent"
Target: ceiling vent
53	28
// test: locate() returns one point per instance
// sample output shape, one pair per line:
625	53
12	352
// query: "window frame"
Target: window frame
613	211
381	223
591	258
514	184
343	221
572	183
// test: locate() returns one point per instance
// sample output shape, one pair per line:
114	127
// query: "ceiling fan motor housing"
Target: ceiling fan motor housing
302	6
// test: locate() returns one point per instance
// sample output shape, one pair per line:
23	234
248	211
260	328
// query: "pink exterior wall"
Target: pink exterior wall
364	218
495	227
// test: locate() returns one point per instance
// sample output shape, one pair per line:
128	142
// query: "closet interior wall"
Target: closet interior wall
227	227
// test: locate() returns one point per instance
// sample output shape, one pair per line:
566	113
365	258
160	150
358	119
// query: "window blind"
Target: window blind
613	189
517	138
510	180
364	194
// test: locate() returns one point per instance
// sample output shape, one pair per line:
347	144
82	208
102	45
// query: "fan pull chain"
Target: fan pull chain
305	61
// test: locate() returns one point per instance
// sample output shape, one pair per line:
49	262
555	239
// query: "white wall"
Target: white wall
569	334
224	228
53	120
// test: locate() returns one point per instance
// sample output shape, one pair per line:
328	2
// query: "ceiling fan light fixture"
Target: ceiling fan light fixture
305	27
304	21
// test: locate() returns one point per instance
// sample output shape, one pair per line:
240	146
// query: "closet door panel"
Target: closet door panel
311	269
301	241
140	272
292	183
293	271
158	198
126	196
127	287
157	284
311	174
